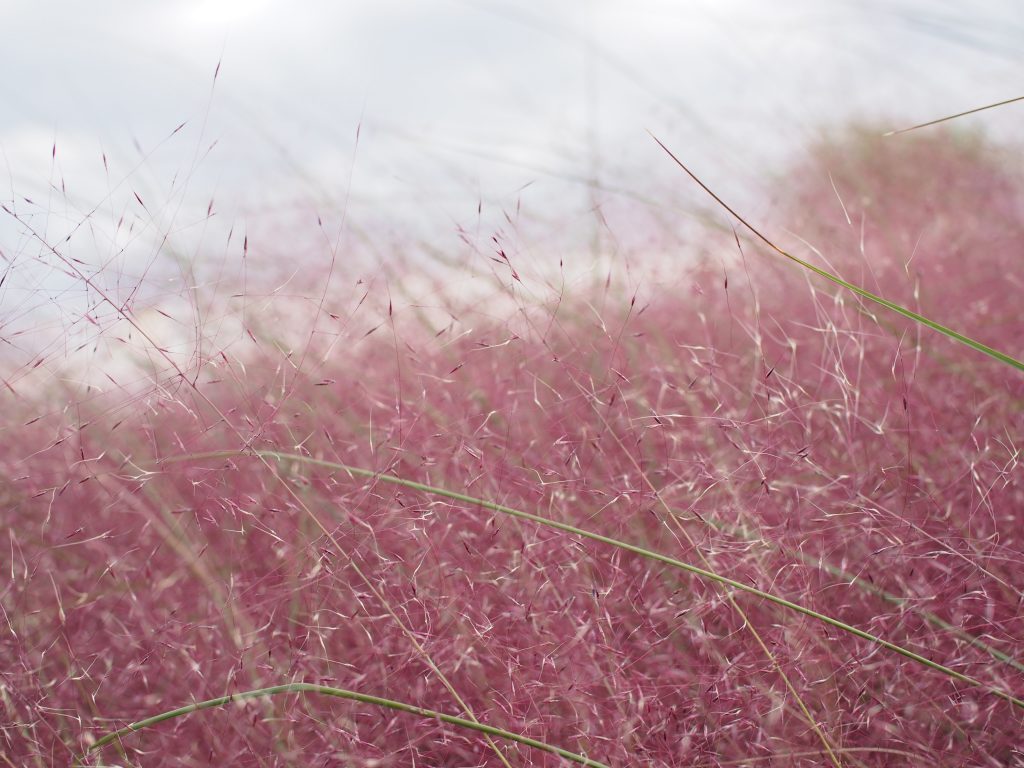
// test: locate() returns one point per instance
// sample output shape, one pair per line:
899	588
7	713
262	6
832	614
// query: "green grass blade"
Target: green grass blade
865	294
866	586
641	551
954	117
352	696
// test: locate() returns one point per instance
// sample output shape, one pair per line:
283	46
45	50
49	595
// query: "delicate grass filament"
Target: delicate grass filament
647	553
341	693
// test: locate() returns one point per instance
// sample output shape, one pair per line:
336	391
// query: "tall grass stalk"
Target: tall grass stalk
341	693
865	294
626	546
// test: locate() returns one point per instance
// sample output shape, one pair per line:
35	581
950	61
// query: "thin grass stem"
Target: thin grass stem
703	573
954	117
891	305
897	600
341	693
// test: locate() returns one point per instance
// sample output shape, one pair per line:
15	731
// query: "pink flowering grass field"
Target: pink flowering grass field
715	511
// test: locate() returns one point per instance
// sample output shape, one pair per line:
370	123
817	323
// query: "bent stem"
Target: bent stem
865	294
900	602
703	573
954	117
341	693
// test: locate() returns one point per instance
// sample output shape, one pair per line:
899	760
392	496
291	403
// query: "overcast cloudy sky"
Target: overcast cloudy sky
456	102
458	94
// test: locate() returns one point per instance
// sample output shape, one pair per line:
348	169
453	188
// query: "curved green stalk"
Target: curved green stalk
341	693
865	294
901	602
647	553
954	117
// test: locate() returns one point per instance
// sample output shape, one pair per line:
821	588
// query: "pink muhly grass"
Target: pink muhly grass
164	551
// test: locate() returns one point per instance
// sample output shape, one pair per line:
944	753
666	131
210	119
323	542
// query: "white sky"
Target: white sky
453	94
457	102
